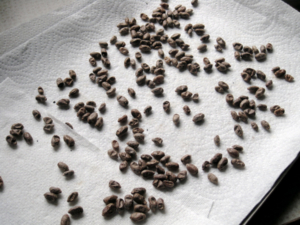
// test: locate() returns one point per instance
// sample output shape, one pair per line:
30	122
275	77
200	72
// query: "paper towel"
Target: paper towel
66	45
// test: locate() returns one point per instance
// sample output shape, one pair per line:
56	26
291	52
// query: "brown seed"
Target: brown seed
141	80
112	153
243	117
148	110
265	125
254	126
27	137
50	196
139	190
41	98
74	92
279	112
60	83
65	220
181	89
62	166
192	169
128	202
222	164
137	130
138	198
109	210
157	141
40	90
212	178
186	159
157	91
139	137
122	100
99	122
215	160
133	122
133	144
123	166
166	106
69	140
95	55
233	152
55	190
48	127
238	130
217	140
114	185
120	205
16	132
146	157
110	199
280	73
72	197
122	131
289	78
165	159
141	208
78	106
274	107
237	46
145	48
103	44
223	85
205	165
182	175
152	203
260	93
176	119
127	62
124	50
102	107
198	117
111	92
219	89
93	62
186	109
113	39
63	102
237	163
136	113
147	173
92	118
137	217
123	119
36	114
130	151
68	173
160	204
172	165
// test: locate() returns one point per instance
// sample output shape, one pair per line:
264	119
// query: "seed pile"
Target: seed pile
16	132
68	81
246	52
135	201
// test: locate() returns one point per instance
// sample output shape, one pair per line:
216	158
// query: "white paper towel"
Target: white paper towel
66	45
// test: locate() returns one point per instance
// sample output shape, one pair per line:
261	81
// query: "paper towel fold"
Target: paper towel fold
66	45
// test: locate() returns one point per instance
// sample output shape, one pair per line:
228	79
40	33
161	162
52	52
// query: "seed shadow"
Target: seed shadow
177	124
2	188
67	107
70	177
123	137
74	202
200	123
13	146
77	217
160	96
208	71
50	132
56	203
74	96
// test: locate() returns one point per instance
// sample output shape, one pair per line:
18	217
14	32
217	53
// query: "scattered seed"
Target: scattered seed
68	173
110	199
238	130
63	167
139	137
63	102
254	126
222	164
238	163
122	131
69	140
192	169
114	185
50	196
122	100
48	120
41	98
27	137
72	197
217	140
205	165
198	117
136	113
265	125
212	178
148	109
48	127
65	220
137	217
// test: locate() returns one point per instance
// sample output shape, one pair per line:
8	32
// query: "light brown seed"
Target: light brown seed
112	154
63	167
27	137
72	197
182	175
192	169
176	119
212	178
237	163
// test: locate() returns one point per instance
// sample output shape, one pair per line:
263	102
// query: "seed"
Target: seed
120	205
260	56
166	106
122	119
141	208
147	173
36	114
198	117
186	159
202	47
114	185
222	163
144	48
237	55
279	112
181	89
16	132
252	104
95	55
99	122
289	77
78	106
123	166
128	202
263	49
27	137
152	203
186	95
124	50
50	196
133	122
72	197
109	210
237	46
48	127
112	154
157	141
133	144
176	119
182	175
141	80
260	93
148	110
65	220
63	102
106	85
41	98
172	165
122	131
238	130
215	160
68	173
192	169
253	89
219	89
157	91
55	190
11	140
69	140
62	166
165	159
243	117
60	83
217	140
139	137
40	90
237	163
223	85
136	113
269	47
122	100
127	62
111	92
103	44
233	152
274	107
137	217
265	125
144	17
186	109
137	130
205	165
130	151
113	40
93	61
110	199
76	210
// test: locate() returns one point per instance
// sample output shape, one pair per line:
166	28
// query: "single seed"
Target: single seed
63	102
18	126
254	126
122	119
63	167
49	127
50	196
205	165
113	40
157	91
136	113
172	165
237	163
128	202
41	98
265	125
139	137
112	153
279	112
76	210
36	114
198	117
215	160
217	140
27	137
260	93
110	199
123	166
137	130
192	169
99	122
69	140
222	164
55	190
160	204
166	106
233	152
288	77
186	159
65	220
133	122
182	175
68	173
238	130
122	131
16	132
137	217
176	119
114	185
72	197
148	110
122	100
157	141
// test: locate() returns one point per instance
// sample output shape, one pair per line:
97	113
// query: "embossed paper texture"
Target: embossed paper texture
28	171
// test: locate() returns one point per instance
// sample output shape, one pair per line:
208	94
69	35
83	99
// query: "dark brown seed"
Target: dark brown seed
262	107
165	159
152	203
123	166
221	42
147	173
246	55
127	62
99	122
74	92
92	118
192	169
92	62
135	168
122	100
215	160
141	208
112	153
280	73
186	95
128	202
275	69
60	83
182	175
133	144
102	107
16	132
62	166
68	173
139	137
260	56
40	90
109	210
235	116
205	165
160	204
254	126
238	130
103	52
69	140
168	183
248	49
106	85
233	152
289	77
50	196
139	190
146	157
274	107
110	199
237	147
91	103
122	119
141	80
253	89
138	198
279	112
166	106
78	106
124	50
137	130
144	17
114	185
269	47
120	205
27	137
148	109
157	141
48	127
122	131
186	159
55	141
260	92
243	117
252	104
152	164
41	98
136	113
103	44
181	89
219	89
124	31
237	163
172	165
212	178
202	47
157	91
186	109
133	122
55	190
223	85
113	39
36	114
261	75
63	102
237	55
237	46
218	48
265	125
72	197
65	220
198	117
137	217
222	164
145	48
95	55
